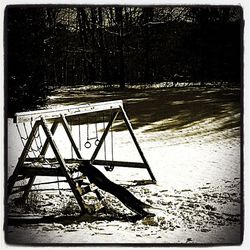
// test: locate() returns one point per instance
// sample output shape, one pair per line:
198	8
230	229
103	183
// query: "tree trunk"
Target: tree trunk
104	61
120	44
147	18
83	24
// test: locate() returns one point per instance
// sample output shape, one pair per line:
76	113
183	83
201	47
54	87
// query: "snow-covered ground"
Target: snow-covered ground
191	139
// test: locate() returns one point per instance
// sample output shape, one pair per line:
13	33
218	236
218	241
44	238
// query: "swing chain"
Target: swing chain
79	132
111	167
88	143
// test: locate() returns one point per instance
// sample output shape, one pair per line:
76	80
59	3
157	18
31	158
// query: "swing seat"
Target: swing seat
109	168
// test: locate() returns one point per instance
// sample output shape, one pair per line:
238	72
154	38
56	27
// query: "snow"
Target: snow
197	165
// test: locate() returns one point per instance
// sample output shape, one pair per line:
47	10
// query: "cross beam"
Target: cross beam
73	110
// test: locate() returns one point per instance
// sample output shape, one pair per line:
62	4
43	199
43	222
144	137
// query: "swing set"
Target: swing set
34	162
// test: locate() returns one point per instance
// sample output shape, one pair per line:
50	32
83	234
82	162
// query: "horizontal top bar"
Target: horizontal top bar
72	110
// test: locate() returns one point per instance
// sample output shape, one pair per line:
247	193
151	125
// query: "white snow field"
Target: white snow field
191	140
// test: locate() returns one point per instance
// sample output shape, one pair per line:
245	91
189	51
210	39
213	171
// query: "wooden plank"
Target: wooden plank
97	162
51	160
75	110
38	171
20	189
119	164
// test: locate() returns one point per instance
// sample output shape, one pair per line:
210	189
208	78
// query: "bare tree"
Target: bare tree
120	43
84	26
147	19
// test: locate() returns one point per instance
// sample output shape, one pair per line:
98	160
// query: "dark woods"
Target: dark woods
47	47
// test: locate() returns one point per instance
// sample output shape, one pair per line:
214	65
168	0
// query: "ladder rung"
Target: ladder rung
89	188
18	189
22	177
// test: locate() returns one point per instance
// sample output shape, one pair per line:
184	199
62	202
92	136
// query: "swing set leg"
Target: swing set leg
130	129
63	165
46	143
67	129
43	152
129	126
28	187
13	177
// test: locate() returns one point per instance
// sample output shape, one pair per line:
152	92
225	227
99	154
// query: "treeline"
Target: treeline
54	46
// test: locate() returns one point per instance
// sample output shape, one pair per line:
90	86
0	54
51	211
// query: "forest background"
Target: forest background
51	46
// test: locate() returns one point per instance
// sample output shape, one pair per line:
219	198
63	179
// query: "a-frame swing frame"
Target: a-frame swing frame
60	116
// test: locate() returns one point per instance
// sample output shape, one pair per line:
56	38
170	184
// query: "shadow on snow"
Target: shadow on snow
164	109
